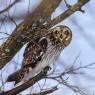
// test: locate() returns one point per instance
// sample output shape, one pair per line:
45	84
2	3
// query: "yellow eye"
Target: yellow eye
66	32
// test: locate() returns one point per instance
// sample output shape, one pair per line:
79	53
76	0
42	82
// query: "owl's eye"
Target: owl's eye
66	32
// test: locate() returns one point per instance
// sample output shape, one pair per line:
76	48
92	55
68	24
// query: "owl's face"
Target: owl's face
61	36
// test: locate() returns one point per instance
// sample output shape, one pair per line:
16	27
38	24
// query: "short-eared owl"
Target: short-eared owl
42	52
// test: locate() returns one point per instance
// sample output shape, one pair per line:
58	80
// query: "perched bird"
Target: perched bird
42	52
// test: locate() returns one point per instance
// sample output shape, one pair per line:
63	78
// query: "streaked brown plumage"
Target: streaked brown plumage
38	54
32	55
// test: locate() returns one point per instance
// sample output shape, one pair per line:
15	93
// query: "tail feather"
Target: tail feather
14	77
17	76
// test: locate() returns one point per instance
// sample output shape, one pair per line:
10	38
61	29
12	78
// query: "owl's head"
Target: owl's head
61	36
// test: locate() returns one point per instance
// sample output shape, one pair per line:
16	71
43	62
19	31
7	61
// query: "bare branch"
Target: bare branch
16	41
47	91
76	89
72	70
68	12
22	34
42	11
10	6
27	84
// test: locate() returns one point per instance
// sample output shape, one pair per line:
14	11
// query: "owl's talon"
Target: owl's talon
48	68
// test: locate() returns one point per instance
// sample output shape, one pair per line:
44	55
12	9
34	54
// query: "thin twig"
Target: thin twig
47	91
27	84
10	6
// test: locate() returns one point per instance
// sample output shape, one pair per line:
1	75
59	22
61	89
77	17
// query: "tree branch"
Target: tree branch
48	91
10	6
15	41
19	36
68	12
27	84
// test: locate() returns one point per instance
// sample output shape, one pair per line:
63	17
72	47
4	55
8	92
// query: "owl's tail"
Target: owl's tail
17	76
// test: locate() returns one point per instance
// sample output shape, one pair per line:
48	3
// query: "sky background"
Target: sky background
82	44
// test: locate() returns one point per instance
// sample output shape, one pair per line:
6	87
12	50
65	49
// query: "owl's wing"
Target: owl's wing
33	53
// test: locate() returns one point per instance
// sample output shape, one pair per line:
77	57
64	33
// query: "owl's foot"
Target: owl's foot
48	68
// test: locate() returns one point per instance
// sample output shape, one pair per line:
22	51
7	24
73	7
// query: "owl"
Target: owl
42	52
